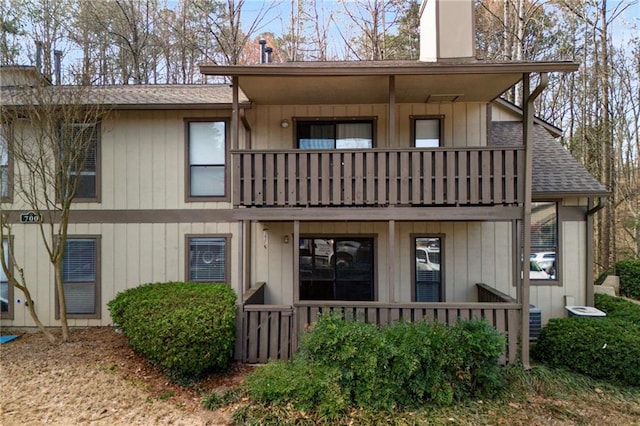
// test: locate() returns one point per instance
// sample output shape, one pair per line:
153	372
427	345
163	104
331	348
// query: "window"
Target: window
334	134
84	170
80	272
336	268
207	158
426	132
207	260
428	269
5	184
544	240
6	291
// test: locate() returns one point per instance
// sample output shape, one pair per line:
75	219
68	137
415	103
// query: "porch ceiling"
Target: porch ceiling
295	90
368	81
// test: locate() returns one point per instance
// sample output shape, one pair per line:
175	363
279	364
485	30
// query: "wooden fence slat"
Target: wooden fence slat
325	180
486	177
439	177
269	167
303	181
416	178
498	178
463	178
346	184
452	175
370	179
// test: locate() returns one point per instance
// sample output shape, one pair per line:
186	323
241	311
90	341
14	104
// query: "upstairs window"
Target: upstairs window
426	132
334	134
207	157
84	170
4	167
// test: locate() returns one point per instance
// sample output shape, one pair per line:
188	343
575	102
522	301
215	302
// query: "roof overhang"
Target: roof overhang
369	82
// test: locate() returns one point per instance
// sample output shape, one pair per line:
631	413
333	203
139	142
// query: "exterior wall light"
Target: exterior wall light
284	123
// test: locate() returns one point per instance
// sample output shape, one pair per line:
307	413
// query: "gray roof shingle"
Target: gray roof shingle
555	171
143	96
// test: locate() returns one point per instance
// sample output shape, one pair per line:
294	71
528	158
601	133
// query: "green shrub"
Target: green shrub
186	329
616	307
629	273
305	385
342	363
603	348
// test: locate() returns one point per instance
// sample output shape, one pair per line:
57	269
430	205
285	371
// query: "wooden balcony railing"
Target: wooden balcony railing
379	177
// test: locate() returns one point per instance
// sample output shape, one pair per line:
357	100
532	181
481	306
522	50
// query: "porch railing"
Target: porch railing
272	331
378	177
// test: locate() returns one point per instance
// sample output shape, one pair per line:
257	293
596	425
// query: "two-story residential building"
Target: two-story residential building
387	190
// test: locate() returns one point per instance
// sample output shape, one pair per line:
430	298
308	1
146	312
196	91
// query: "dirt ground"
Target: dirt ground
97	379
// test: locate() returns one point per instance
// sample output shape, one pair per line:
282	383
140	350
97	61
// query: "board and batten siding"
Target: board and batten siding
143	161
465	124
474	252
130	254
573	263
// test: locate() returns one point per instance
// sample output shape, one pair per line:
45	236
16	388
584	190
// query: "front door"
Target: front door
339	268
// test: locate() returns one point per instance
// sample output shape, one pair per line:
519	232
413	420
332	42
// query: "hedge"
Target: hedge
185	329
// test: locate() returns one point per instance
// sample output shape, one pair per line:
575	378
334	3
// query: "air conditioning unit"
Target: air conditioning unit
535	322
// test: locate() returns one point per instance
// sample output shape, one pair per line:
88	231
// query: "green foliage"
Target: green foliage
186	329
343	364
605	348
217	399
306	386
629	273
616	307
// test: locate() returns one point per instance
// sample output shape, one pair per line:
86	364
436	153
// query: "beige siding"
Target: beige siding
474	252
131	254
464	123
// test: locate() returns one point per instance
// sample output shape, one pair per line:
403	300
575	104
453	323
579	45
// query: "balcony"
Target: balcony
489	176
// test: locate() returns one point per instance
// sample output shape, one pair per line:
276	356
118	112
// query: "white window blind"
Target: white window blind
4	284
79	275
207	259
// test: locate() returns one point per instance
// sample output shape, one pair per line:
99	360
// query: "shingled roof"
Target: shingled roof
555	171
167	96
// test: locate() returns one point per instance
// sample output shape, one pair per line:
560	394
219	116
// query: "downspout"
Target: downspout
590	300
528	99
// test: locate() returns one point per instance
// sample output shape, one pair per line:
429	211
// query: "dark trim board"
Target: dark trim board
320	214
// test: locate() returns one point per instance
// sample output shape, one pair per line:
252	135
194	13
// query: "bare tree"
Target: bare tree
50	134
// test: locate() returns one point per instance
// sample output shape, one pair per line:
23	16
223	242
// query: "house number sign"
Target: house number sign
29	217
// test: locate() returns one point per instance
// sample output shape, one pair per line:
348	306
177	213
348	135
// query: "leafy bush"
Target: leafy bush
599	347
615	307
629	273
186	329
342	364
306	386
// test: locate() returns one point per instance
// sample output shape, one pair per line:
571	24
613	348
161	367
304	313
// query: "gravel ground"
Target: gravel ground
96	379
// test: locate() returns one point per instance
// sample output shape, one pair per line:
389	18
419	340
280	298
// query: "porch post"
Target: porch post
391	260
242	281
296	283
527	137
391	125
235	114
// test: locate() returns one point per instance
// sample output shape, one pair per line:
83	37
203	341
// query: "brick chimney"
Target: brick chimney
447	30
